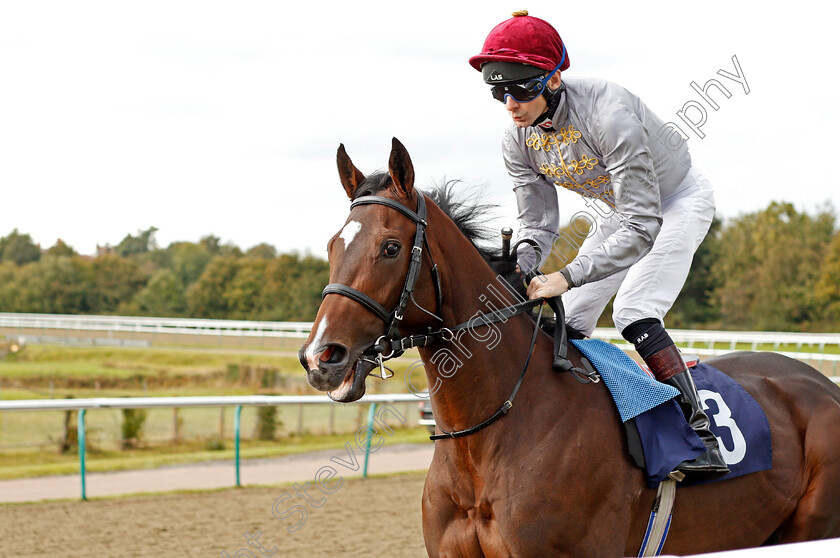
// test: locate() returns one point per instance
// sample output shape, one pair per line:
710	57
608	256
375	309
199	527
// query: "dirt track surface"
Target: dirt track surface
364	517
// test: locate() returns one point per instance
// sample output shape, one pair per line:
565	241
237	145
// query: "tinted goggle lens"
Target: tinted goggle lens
522	92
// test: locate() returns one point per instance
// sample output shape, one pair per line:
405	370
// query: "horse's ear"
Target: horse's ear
401	169
350	176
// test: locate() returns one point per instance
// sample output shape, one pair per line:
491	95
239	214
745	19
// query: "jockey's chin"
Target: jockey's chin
524	114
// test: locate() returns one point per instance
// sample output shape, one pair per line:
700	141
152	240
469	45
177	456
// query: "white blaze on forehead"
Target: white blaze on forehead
349	232
316	342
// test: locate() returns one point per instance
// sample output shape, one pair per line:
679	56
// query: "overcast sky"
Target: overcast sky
223	118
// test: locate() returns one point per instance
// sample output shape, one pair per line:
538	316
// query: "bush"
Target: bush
214	444
267	423
132	427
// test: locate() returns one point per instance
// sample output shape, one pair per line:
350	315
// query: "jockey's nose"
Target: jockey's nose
510	103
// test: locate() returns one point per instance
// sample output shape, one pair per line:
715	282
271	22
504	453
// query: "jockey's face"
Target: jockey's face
524	114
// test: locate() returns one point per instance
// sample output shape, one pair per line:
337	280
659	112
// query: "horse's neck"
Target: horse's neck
470	376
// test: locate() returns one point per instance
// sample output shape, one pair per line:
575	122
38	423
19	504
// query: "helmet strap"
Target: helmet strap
552	102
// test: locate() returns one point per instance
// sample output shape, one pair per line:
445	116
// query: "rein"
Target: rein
506	406
391	345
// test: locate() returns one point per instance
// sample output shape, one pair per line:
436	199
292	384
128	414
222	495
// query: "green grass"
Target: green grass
47	360
51	361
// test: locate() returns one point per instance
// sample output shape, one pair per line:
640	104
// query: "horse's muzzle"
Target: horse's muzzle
325	366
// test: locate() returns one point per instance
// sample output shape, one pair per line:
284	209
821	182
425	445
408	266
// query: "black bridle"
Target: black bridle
391	345
391	341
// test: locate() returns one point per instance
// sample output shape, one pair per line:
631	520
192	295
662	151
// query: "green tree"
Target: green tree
214	245
211	243
60	248
132	245
292	289
264	251
188	260
8	282
19	248
162	296
54	284
115	280
206	297
827	287
242	293
767	266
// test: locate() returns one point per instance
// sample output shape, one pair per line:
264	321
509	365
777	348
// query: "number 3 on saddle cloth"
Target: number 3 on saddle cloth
666	438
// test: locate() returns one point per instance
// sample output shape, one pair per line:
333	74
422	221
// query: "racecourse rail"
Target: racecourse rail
701	342
238	402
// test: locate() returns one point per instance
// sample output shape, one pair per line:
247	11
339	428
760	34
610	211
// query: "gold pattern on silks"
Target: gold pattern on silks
569	135
589	188
577	167
545	142
542	141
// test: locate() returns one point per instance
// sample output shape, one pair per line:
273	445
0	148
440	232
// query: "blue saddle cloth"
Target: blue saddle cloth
736	418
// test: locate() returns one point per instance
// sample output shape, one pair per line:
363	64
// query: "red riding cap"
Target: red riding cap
525	40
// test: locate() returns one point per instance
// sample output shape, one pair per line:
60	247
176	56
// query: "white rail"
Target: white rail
754	341
208	401
689	339
733	338
301	329
177	326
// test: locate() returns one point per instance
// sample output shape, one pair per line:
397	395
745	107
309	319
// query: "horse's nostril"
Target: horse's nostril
333	354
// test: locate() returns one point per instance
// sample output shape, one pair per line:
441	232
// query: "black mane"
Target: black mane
463	204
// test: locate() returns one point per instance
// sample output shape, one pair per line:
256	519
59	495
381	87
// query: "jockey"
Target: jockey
654	208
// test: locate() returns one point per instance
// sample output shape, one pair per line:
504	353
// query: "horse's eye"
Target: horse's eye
391	250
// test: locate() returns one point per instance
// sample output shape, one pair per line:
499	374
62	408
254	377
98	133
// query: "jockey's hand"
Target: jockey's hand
547	286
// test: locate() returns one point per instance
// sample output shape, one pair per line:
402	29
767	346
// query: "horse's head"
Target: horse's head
369	261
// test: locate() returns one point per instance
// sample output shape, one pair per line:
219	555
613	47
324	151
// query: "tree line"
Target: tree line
205	279
777	269
774	269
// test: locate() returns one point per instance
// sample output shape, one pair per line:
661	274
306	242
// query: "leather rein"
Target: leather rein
391	345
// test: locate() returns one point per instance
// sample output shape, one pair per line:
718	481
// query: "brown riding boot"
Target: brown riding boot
668	367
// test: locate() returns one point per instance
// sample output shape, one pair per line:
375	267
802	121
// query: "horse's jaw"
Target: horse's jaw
352	387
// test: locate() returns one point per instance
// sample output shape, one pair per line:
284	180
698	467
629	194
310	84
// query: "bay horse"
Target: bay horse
552	476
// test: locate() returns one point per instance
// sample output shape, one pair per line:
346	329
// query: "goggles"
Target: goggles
527	90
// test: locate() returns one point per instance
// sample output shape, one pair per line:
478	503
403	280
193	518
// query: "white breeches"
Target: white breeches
649	287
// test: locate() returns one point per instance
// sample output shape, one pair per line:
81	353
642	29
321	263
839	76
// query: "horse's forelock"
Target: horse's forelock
374	184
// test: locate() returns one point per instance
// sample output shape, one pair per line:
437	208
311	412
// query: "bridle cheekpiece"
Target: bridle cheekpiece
390	344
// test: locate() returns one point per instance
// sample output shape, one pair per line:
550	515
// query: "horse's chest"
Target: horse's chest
523	507
476	529
489	521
